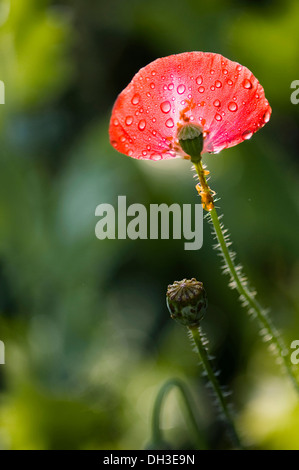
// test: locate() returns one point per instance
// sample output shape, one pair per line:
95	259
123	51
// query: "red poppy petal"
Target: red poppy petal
221	96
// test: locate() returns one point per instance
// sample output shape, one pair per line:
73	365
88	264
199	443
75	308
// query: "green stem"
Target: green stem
239	283
203	356
189	405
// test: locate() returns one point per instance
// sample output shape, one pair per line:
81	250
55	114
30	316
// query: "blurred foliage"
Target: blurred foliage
87	334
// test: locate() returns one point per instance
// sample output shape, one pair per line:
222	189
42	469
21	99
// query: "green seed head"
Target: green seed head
190	137
187	301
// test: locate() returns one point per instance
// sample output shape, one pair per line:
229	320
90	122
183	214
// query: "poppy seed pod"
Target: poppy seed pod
187	301
190	138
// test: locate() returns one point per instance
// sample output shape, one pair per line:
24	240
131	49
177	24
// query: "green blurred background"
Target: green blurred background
88	337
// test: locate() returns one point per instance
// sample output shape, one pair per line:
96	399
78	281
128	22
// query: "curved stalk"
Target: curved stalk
157	434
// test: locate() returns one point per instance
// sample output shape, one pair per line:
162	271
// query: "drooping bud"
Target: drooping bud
187	301
190	137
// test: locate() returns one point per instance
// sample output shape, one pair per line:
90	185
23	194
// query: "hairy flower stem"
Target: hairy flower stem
157	436
247	296
223	406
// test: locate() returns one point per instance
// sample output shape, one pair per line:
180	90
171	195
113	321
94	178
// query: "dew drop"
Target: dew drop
144	153
115	122
148	94
165	107
229	82
212	88
170	86
135	99
181	88
154	119
232	106
247	135
189	96
212	72
266	117
201	89
169	123
152	85
148	147
257	96
247	84
224	71
239	68
156	156
153	73
218	84
141	125
122	139
154	132
218	117
130	153
199	80
217	103
165	87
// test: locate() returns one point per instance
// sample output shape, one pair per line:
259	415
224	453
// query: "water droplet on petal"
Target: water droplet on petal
148	147
232	106
148	94
217	103
122	139
154	132
218	84
154	119
199	80
266	117
247	84
135	99
169	123
212	72
239	68
201	89
141	125
130	153
247	135
152	85
144	153
181	88
212	88
218	117
170	86
257	96
156	156
115	122
153	73
165	107
229	82
224	71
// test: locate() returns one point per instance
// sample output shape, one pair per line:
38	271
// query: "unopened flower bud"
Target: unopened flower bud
187	301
